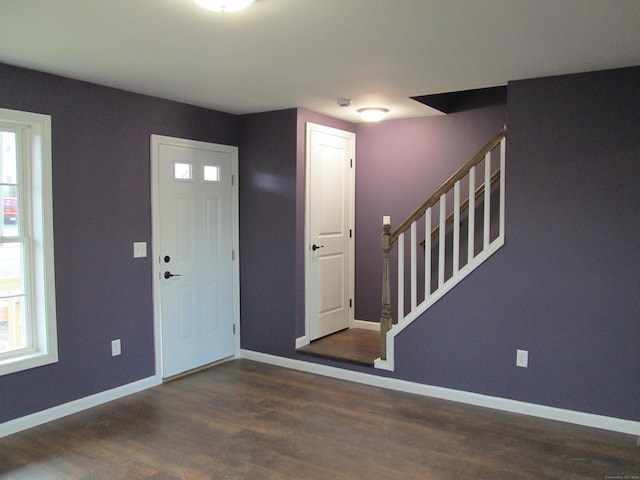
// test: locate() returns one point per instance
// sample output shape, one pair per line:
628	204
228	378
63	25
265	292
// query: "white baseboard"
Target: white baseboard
366	325
382	364
497	403
301	342
54	413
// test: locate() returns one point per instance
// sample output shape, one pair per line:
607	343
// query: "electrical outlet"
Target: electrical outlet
139	249
115	347
522	358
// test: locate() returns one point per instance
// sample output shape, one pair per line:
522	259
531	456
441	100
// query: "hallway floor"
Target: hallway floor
353	345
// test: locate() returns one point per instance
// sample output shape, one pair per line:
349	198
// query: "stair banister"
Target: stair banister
446	186
464	205
385	320
477	197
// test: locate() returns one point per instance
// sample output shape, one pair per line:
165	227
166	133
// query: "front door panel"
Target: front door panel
195	254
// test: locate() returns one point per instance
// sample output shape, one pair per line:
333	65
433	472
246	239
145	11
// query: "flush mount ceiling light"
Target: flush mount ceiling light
224	5
373	114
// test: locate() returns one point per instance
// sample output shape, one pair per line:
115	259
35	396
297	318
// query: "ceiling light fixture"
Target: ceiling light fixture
224	5
373	114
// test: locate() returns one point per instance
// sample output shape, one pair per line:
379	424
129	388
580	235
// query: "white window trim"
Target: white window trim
36	142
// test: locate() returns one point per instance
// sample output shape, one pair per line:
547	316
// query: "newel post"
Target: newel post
385	320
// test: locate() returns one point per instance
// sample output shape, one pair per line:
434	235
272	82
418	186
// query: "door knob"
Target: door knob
168	274
315	247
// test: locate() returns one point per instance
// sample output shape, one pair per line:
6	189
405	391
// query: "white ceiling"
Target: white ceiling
307	53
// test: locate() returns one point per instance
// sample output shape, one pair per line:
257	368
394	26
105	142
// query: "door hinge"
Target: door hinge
351	162
233	180
233	255
350	303
350	233
234	328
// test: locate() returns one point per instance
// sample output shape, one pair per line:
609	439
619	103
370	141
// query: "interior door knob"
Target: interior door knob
315	247
168	274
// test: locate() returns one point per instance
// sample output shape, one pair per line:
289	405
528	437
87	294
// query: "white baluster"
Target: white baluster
471	214
456	227
502	184
400	243
442	237
487	199
414	265
427	253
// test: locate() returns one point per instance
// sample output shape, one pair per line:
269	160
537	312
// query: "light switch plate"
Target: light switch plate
139	249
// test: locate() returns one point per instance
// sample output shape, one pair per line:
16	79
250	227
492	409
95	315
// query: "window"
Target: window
27	291
182	171
211	173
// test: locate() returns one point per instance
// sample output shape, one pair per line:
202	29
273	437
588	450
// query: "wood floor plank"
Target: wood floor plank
246	420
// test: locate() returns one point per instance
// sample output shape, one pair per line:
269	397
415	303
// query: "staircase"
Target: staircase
462	225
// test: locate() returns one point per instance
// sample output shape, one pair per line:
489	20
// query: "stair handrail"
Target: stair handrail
448	185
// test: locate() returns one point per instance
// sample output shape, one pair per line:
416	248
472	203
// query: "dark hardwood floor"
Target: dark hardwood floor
354	345
246	420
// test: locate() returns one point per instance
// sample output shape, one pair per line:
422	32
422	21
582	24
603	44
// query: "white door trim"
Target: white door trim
156	140
307	256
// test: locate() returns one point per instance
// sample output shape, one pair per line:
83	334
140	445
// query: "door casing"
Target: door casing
308	254
156	140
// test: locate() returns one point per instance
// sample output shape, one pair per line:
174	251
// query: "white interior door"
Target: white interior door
194	241
330	167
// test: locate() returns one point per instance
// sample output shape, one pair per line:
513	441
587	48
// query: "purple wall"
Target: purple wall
101	195
400	164
565	286
272	178
305	116
267	169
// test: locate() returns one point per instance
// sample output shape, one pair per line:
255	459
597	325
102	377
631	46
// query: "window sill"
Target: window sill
27	361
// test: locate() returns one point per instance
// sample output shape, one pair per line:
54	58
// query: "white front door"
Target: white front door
194	240
329	230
